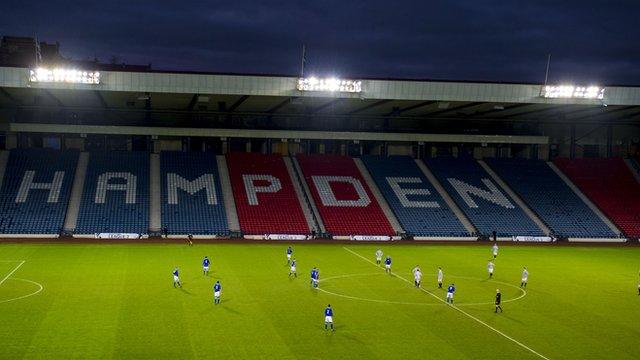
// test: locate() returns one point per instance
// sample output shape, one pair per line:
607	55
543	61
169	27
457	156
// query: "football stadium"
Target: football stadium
168	214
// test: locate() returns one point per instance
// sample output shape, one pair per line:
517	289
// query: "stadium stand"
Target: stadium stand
488	208
35	191
266	201
611	186
550	198
345	203
192	200
116	194
417	205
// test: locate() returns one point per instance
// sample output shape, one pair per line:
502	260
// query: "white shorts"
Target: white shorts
449	295
439	280
495	254
205	268
293	269
524	279
216	293
315	281
175	279
288	256
328	319
388	266
491	271
417	279
378	259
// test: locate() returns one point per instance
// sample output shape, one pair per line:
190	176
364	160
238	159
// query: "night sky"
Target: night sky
591	41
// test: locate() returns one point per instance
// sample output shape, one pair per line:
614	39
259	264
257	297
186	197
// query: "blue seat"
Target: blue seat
550	198
477	195
422	214
202	212
115	212
38	210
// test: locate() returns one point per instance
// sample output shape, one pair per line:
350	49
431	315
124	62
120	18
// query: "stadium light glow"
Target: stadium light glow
329	84
61	75
572	92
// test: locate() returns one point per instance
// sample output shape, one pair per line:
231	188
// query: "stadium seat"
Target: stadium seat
611	186
192	200
266	201
35	191
477	195
416	204
550	198
344	200
116	194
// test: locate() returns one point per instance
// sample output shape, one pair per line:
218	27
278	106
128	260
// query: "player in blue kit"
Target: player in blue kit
176	278
205	266
450	290
328	318
387	265
217	290
292	270
289	254
315	277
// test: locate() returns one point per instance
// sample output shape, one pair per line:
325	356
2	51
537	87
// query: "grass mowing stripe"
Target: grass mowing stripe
456	308
11	273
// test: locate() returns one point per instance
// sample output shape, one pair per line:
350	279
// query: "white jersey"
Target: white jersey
417	275
495	249
440	276
490	267
379	254
525	275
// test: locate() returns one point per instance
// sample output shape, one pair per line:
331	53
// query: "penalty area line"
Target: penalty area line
457	309
11	273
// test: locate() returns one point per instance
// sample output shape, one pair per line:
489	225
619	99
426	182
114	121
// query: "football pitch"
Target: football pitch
117	301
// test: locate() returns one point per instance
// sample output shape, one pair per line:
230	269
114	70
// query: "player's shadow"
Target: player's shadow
184	291
231	310
510	318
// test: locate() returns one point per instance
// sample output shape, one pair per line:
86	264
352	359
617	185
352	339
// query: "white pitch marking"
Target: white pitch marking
524	293
40	288
457	309
11	273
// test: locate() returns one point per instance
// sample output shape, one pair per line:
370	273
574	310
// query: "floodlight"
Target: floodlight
572	92
61	75
330	84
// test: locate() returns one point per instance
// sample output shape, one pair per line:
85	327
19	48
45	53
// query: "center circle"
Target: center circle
38	288
522	292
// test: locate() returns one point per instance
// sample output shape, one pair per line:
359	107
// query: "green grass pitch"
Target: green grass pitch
117	301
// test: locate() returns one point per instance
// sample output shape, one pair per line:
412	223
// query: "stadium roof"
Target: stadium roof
278	95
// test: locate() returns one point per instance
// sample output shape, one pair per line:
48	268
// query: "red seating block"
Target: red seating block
611	186
344	200
266	201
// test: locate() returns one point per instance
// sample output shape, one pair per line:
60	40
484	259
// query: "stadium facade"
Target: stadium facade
90	152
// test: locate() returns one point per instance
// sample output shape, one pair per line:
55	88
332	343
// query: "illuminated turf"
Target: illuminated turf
117	301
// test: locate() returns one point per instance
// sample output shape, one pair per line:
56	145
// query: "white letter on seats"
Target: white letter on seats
493	195
252	190
401	193
327	196
28	184
206	182
129	186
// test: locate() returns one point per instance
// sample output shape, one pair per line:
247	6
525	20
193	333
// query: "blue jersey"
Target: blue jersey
387	261
289	251
175	272
451	289
205	262
217	287
328	312
314	274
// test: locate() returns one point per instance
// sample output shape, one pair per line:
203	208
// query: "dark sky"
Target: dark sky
591	41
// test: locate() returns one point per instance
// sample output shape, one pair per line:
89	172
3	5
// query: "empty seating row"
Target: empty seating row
550	198
35	191
416	204
192	200
265	198
611	186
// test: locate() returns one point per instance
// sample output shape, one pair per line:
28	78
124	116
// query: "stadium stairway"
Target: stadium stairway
484	203
460	215
307	194
417	206
391	217
611	186
552	201
155	191
302	199
4	157
634	167
345	202
77	188
227	194
516	198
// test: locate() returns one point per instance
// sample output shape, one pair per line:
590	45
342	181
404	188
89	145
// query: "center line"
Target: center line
455	308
